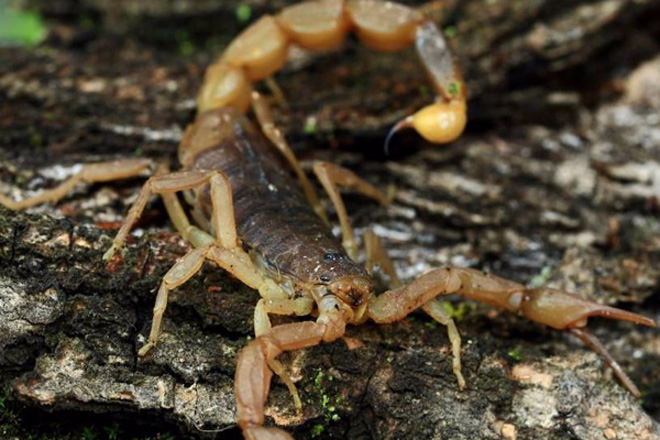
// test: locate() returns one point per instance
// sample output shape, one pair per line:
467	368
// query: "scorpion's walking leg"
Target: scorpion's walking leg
90	173
172	205
224	225
555	308
222	249
281	306
331	176
234	261
376	253
435	309
274	134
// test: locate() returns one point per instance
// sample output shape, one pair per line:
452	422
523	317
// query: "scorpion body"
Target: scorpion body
255	221
273	218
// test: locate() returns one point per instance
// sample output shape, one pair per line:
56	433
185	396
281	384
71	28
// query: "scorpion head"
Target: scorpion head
355	291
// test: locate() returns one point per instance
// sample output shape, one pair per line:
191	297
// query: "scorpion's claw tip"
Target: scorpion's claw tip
401	125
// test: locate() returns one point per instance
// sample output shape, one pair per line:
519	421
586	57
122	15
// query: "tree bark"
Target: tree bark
556	182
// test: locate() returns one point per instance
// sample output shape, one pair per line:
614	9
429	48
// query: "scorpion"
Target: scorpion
254	220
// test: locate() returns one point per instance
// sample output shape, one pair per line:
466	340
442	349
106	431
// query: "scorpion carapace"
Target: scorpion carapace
255	221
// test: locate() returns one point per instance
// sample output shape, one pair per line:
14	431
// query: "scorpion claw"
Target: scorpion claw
562	310
591	341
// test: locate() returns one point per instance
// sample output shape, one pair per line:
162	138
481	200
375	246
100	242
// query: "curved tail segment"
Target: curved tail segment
262	49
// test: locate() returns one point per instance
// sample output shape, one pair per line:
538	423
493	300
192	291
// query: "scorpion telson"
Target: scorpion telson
254	220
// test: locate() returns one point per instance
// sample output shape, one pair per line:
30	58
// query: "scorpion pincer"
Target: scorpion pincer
253	219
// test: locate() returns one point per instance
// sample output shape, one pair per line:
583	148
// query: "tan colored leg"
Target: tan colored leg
377	255
172	205
331	176
436	310
281	306
222	249
277	92
274	134
90	173
555	308
234	261
181	272
223	212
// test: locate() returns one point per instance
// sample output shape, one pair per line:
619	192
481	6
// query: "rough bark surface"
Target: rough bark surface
556	182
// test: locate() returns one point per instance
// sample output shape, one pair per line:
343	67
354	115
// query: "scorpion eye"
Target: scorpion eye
332	256
325	278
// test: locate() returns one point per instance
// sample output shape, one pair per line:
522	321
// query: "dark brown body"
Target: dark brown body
273	217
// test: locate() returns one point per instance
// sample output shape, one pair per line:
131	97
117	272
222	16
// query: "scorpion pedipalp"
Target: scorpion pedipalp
554	308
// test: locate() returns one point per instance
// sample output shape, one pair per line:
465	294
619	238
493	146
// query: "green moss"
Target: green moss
516	354
454	88
540	279
36	140
459	312
88	434
310	126
113	432
86	22
243	12
20	27
327	403
186	45
317	430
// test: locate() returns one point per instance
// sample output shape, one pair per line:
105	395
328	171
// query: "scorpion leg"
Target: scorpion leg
223	224
331	176
274	134
178	274
555	308
90	173
281	306
277	94
173	206
376	253
234	261
222	249
435	309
